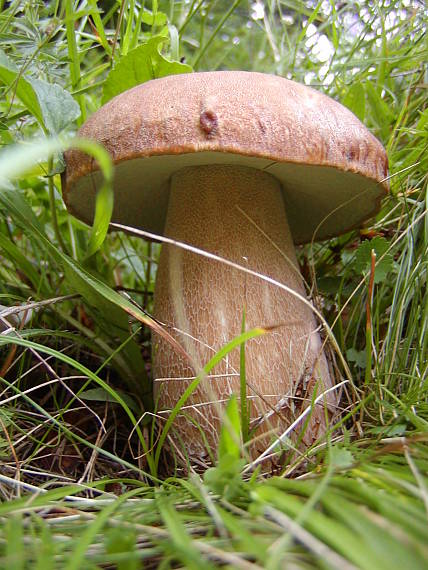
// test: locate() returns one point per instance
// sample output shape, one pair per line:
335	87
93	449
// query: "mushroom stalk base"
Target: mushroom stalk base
237	213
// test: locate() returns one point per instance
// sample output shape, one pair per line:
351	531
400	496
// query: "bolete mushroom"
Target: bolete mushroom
243	165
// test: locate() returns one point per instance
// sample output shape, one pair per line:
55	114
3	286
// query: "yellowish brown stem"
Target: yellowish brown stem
210	208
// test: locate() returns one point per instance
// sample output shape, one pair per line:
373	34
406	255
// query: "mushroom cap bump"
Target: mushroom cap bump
331	168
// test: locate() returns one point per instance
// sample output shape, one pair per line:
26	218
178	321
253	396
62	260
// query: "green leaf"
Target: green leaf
390	431
96	17
52	106
340	458
384	261
10	76
329	285
380	108
355	100
243	388
158	19
11	251
381	111
105	197
101	395
247	541
357	356
141	64
5	422
58	107
122	541
17	160
110	305
230	430
225	479
14	539
174	40
180	540
46	551
76	559
103	212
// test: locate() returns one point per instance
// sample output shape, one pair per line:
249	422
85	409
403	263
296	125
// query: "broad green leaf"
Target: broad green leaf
225	479
380	107
141	64
384	261
58	107
9	75
52	106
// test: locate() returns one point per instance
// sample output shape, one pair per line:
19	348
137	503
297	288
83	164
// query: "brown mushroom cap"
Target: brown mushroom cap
331	168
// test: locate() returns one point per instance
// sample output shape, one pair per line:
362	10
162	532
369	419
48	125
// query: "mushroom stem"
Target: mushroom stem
237	213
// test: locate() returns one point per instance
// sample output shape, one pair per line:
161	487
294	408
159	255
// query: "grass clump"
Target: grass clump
79	476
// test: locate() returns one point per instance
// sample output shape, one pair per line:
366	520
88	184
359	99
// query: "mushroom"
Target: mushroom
244	165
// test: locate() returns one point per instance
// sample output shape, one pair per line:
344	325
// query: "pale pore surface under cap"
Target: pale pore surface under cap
206	300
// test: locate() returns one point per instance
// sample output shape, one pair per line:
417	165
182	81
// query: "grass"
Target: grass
79	475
